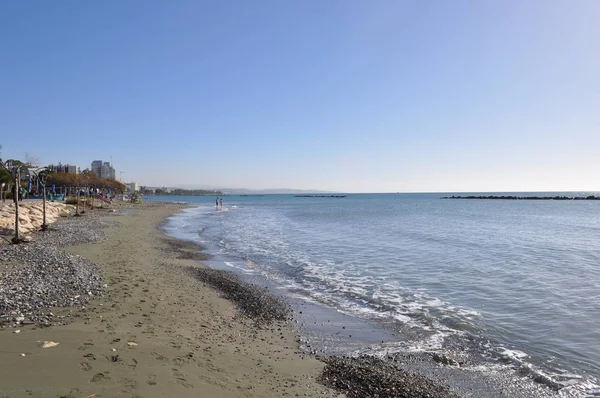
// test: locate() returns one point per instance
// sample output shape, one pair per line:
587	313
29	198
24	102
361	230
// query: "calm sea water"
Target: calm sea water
518	282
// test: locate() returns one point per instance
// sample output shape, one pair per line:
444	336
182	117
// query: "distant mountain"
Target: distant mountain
269	191
246	191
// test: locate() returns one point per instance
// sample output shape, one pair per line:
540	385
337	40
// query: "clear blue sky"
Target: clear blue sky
356	96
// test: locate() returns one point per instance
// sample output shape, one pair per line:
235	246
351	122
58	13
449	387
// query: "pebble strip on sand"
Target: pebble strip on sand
253	301
36	276
371	377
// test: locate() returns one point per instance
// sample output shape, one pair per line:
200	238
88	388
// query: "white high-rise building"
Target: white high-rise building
103	169
132	187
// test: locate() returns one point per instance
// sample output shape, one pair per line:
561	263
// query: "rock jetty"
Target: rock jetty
509	197
320	196
30	215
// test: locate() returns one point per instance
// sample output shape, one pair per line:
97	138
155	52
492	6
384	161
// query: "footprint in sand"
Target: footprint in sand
86	366
179	361
73	393
151	380
128	384
85	346
100	376
159	357
180	378
113	358
132	363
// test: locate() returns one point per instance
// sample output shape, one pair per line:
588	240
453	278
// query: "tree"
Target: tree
5	181
42	176
85	180
15	167
5	176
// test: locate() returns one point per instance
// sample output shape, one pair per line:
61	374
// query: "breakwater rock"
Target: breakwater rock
30	215
320	196
510	197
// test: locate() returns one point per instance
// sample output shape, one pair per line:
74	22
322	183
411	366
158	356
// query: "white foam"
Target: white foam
511	354
402	318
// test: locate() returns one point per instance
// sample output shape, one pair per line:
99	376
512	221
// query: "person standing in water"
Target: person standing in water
221	201
217	203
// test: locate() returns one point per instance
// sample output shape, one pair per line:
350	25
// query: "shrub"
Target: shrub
71	200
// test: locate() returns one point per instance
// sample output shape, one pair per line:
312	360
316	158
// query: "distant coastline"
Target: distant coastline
182	192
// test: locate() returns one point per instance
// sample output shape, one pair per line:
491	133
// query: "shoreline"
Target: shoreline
465	370
160	330
154	332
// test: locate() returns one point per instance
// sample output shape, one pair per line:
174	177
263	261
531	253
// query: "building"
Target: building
63	168
131	187
146	190
103	169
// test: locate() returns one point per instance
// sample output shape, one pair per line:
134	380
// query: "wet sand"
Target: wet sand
156	331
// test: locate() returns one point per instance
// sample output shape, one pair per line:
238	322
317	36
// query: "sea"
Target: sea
507	289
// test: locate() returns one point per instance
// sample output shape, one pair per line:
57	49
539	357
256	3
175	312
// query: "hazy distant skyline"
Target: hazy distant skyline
347	96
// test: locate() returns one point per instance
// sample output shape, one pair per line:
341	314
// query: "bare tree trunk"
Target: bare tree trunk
84	203
44	225
17	238
77	206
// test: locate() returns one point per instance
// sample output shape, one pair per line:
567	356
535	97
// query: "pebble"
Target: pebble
253	301
366	376
48	277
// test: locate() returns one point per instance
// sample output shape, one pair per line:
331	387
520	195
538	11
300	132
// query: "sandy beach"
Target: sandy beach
154	332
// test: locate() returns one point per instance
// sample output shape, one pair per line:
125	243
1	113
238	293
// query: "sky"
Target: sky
348	96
